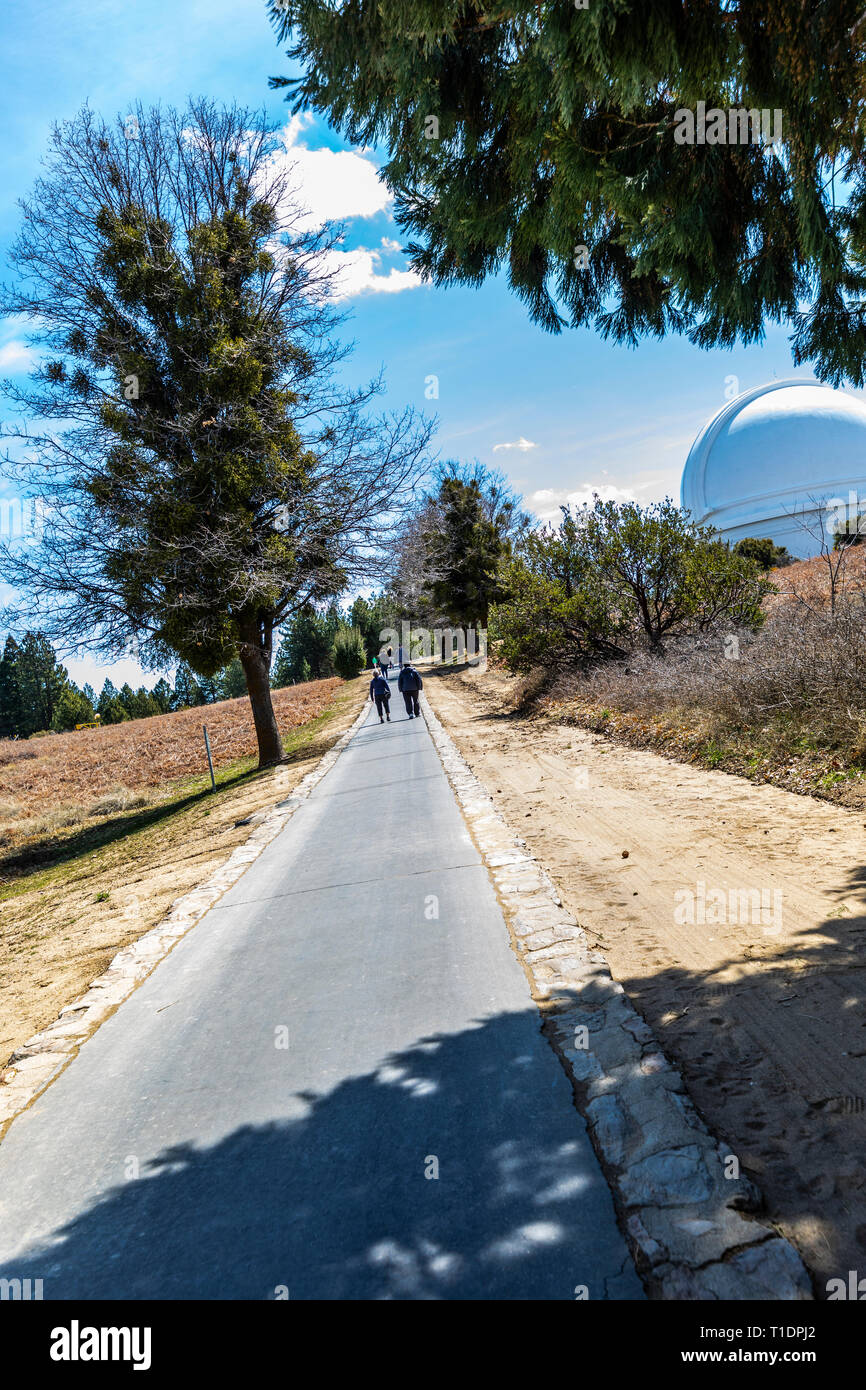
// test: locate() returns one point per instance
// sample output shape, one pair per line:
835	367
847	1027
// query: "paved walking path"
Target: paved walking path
335	1086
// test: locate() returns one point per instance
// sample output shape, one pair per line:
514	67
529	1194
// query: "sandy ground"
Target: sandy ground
762	1011
57	938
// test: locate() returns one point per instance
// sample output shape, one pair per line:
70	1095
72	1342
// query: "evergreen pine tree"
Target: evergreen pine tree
232	681
114	713
162	695
126	696
42	680
73	707
11	704
307	645
372	616
466	555
547	139
187	692
107	698
348	655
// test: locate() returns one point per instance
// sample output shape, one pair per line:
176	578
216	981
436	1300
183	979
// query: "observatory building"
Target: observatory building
767	456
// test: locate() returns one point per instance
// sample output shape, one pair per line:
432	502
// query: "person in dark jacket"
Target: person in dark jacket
409	683
380	691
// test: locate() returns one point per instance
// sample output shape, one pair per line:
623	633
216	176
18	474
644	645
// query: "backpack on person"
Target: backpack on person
409	679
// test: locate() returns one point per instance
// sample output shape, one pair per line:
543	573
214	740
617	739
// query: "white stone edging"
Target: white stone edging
683	1217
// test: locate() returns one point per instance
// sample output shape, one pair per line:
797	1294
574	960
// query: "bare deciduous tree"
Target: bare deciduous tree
207	472
833	548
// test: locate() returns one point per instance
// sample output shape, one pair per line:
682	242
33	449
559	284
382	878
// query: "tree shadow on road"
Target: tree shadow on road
341	1202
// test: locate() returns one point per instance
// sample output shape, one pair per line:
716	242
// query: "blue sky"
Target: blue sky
597	416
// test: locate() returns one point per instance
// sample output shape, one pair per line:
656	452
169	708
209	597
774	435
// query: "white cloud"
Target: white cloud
16	356
333	185
356	272
546	502
88	670
521	444
340	186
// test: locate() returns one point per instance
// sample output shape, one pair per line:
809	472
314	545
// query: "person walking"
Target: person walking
409	683
380	693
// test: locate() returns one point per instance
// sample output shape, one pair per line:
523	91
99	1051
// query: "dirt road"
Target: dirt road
735	917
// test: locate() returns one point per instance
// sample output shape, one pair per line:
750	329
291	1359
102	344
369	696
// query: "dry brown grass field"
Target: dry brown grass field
807	580
60	779
103	829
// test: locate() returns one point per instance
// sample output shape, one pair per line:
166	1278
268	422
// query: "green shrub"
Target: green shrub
349	656
73	707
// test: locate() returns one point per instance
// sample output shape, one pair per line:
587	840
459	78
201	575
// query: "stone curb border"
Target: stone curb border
681	1215
35	1065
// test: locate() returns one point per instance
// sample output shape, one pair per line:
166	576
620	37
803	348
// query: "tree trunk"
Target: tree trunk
254	651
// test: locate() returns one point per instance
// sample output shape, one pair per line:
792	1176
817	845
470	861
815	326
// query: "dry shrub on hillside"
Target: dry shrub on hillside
806	665
529	689
118	799
13	751
81	770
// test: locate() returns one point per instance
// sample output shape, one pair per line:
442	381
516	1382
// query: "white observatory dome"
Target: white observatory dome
769	453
